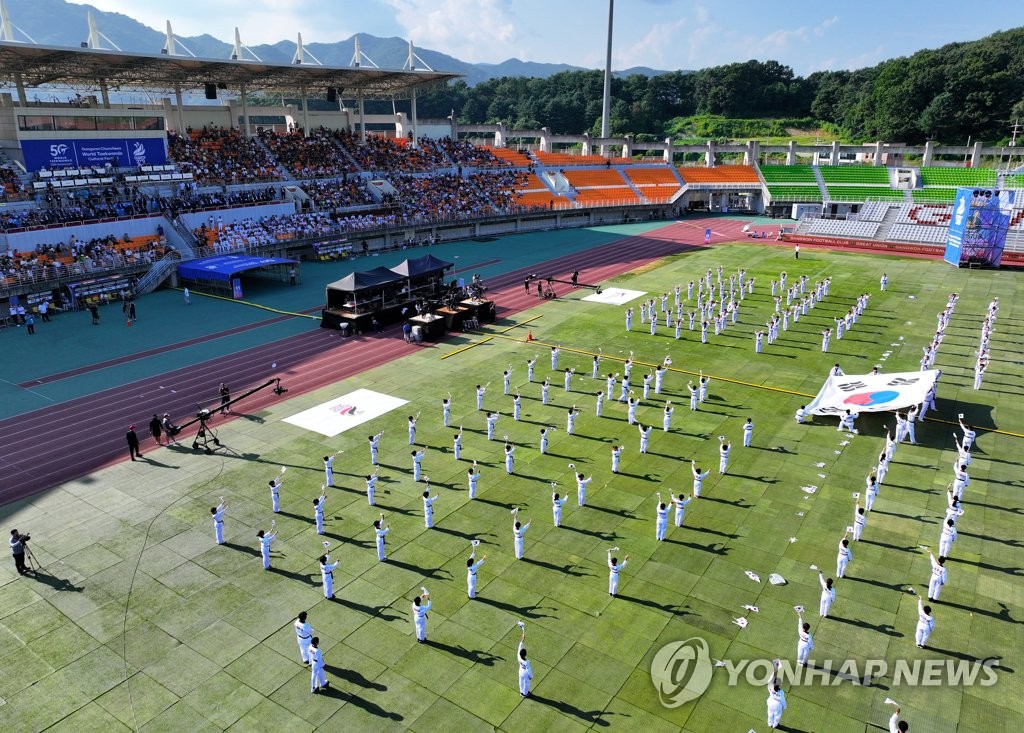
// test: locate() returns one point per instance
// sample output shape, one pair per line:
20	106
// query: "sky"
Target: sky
661	34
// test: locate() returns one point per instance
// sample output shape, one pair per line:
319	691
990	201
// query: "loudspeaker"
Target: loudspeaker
332	94
211	91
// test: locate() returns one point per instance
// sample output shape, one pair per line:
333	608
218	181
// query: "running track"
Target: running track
88	432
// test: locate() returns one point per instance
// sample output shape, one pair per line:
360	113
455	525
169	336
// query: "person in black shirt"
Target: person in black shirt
133	442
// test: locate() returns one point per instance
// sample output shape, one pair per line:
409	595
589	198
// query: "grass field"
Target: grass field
141	622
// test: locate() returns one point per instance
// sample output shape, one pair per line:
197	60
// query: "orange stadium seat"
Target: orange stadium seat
591	178
510	156
720	174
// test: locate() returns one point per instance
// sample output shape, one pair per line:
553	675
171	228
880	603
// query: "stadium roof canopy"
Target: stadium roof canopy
56	65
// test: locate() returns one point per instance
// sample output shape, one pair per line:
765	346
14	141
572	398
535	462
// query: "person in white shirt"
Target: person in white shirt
616	457
316	660
446	409
510	451
327	574
805	642
371	485
844	557
275	493
318	510
666	420
661	519
828	595
680	503
492	421
969	435
217	513
525	669
925	624
329	470
698	478
457	444
530	363
265	540
846	420
420	606
614	568
304	636
557	502
374	445
645	436
570	420
472	566
518	530
723	458
555	351
428	508
472	477
581	487
412	429
380	530
417	466
480	391
801	414
860	520
896	725
776	703
748	432
939	577
947	538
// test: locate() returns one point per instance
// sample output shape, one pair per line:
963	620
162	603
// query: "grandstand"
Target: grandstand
656	185
610	185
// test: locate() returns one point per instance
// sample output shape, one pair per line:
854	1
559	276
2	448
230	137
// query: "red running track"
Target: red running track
90	430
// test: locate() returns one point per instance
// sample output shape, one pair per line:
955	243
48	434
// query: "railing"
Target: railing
47	277
157	273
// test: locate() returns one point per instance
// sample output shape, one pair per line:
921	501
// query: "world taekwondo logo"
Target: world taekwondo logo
681	671
139	153
345	410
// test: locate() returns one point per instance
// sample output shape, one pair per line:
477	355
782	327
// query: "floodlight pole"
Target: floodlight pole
606	107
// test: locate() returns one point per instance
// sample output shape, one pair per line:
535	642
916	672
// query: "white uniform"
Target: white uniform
492	420
303	635
417	469
275	495
218	523
554	358
666	420
265	541
428	510
698	479
556	508
613	575
859	522
327	576
419	619
371	488
680	504
517	537
480	391
318	676
645	435
723	458
661	521
329	470
748	433
870	494
544	386
318	515
446	410
702	390
457	445
804	642
374	444
946	540
471	577
925	624
543	442
842	560
938	579
525	672
776	704
616	456
472	477
506	380
510	459
581	490
694	396
381	533
828	597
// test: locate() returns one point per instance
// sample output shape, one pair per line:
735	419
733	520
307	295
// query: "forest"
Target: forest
973	89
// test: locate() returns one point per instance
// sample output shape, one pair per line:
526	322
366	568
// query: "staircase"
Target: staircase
159	272
885	226
821	182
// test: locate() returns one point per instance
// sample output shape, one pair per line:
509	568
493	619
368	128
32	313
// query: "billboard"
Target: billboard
977	230
88	153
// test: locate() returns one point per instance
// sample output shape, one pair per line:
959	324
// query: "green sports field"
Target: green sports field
140	622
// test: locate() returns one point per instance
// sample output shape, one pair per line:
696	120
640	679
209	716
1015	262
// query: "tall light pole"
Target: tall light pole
606	108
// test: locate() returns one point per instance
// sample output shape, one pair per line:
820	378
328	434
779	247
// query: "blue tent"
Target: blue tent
225	267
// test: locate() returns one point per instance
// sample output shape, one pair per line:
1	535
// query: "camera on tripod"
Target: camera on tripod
203	414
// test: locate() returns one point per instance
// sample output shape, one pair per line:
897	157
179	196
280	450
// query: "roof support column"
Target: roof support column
305	113
362	119
179	105
245	113
415	121
19	82
105	94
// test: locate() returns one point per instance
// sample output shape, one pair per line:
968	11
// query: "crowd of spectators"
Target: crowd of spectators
253	233
80	257
221	156
338	193
380	153
10	184
189	201
314	157
468	155
448	196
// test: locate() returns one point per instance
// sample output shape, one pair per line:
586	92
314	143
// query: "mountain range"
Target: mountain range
36	18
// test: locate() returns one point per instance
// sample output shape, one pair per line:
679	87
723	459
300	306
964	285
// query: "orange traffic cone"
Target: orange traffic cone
529	335
129	323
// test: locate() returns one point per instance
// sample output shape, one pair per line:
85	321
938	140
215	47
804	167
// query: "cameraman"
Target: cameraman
17	543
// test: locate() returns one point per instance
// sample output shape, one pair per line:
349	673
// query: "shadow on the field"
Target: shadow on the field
350	540
304	577
739	503
385	613
878	583
989	566
58	584
624	513
967	657
494	503
669	608
433	573
292	515
243	548
706	530
472	655
713	548
603	536
568	568
1002	615
462	535
356	701
916	517
525	611
909	488
394	509
887	629
902	548
592	717
350	675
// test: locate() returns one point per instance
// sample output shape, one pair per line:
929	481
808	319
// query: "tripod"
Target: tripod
33	563
206	434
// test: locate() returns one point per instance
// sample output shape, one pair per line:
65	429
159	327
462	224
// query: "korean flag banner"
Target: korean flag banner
872	392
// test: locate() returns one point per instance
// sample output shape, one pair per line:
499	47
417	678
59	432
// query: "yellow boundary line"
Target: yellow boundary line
492	336
251	304
737	381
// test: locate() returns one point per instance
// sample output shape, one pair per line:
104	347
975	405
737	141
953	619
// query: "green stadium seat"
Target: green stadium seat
866	174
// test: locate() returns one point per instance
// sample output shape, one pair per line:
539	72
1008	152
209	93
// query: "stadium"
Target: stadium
275	283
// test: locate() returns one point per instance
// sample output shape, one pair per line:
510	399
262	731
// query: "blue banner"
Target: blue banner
977	230
79	153
957	225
